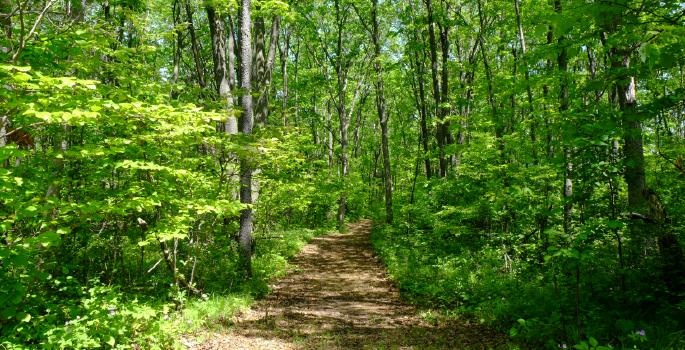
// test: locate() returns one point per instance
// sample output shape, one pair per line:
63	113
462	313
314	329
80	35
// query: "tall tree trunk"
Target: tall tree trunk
444	96
357	126
499	127
382	115
632	139
545	92
329	115
194	46
284	53
263	66
297	81
231	123
563	109
529	93
216	30
342	112
423	111
246	124
440	135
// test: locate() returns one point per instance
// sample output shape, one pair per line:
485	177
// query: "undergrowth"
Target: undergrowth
521	300
149	315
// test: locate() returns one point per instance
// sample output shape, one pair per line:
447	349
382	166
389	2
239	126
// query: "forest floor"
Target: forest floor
339	297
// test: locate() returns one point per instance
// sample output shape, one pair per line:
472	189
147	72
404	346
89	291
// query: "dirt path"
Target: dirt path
340	298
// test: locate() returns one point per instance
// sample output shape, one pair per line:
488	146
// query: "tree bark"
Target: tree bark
444	97
231	123
562	61
423	111
529	93
216	30
499	128
284	53
246	124
382	115
440	135
194	46
263	66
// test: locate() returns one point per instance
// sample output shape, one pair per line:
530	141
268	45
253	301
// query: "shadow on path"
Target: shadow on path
339	297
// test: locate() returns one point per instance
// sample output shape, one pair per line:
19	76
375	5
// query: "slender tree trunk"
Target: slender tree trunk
263	66
529	93
330	136
440	135
342	111
382	115
499	127
216	30
231	122
563	109
357	126
246	124
424	116
284	53
444	98
297	81
194	46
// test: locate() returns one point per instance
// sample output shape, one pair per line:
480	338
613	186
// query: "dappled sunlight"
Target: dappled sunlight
339	297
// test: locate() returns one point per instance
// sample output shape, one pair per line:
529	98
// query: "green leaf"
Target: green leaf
63	230
593	342
8	312
612	224
23	317
540	30
6	66
47	237
65	270
110	340
513	332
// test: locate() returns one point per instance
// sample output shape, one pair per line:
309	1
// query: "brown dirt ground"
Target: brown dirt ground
339	297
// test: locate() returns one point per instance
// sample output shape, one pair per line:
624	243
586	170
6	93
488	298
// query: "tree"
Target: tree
246	124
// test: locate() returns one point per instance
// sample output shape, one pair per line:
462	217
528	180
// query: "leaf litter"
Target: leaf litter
340	297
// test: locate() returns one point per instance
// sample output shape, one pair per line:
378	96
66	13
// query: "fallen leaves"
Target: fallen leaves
341	298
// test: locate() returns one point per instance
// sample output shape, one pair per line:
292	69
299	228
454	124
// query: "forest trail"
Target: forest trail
339	297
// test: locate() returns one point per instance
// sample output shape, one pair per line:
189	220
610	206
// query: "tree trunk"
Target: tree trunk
231	123
246	124
216	30
194	46
284	53
357	126
563	108
263	66
529	93
382	115
445	111
329	136
491	94
423	111
440	135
